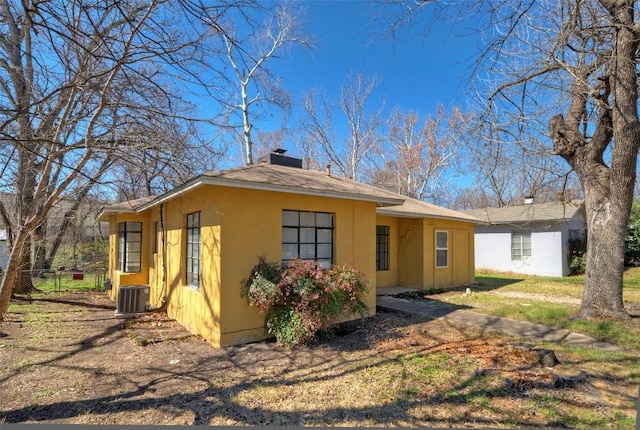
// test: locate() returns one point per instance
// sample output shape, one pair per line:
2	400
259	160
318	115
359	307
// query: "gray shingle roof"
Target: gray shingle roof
129	206
536	212
273	177
303	181
412	208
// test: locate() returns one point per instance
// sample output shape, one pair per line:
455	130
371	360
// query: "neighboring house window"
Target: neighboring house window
382	247
130	246
193	250
576	235
521	246
307	236
442	248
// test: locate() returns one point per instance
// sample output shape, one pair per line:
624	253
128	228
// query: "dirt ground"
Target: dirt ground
64	358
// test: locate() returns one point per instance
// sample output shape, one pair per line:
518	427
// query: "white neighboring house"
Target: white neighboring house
4	250
531	239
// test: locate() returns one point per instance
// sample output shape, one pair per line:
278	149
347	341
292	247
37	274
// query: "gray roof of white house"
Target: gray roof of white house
557	211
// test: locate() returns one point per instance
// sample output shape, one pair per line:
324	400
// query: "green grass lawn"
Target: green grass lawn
54	282
552	301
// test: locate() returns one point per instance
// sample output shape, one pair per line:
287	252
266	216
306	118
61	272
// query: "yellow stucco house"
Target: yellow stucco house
193	245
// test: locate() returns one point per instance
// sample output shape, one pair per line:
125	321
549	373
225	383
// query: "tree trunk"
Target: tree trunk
39	236
602	297
23	283
608	189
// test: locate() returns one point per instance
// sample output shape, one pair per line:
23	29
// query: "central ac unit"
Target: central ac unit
132	299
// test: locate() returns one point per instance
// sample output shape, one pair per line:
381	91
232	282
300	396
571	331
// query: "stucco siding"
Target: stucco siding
411	252
252	226
117	277
417	253
240	224
237	226
388	278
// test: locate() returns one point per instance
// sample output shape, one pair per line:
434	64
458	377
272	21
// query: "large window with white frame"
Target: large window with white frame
442	249
130	247
521	246
194	259
307	236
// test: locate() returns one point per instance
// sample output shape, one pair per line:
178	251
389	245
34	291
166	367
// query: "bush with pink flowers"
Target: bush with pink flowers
302	300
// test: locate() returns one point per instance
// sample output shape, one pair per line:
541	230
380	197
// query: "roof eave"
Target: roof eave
525	222
238	183
403	214
104	214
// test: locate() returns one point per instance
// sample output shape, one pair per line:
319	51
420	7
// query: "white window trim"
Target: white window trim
442	249
523	258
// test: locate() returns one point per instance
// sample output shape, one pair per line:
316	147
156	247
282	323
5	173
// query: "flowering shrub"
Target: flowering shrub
301	300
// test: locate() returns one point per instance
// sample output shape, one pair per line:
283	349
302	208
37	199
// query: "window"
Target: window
521	246
442	248
156	229
130	246
382	247
193	250
576	235
307	236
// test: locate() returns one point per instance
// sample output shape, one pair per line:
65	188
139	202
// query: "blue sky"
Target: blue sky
418	71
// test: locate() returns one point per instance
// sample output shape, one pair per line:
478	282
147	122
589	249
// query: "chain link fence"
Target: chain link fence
65	280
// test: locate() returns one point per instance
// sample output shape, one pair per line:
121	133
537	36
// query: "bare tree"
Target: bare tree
364	124
506	168
573	64
161	157
420	154
79	81
249	55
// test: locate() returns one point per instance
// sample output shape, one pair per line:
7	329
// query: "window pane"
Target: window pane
441	258
196	267
289	235
311	239
193	242
132	267
290	218
308	219
133	226
442	239
289	251
133	247
324	264
129	246
324	220
308	252
520	246
307	235
325	235
324	251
